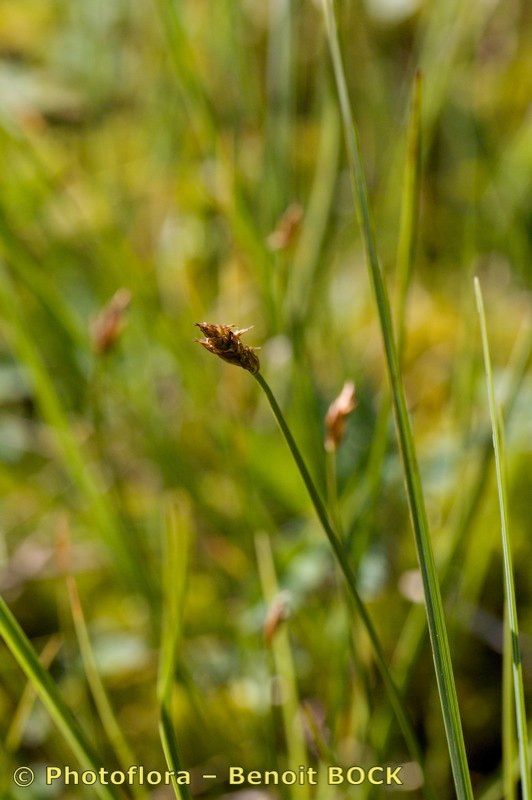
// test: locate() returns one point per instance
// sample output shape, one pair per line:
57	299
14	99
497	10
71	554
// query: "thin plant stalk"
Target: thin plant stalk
27	698
23	651
284	668
509	585
339	552
196	104
303	276
171	752
22	714
406	246
175	563
434	605
508	714
495	789
360	531
411	638
103	705
332	489
279	111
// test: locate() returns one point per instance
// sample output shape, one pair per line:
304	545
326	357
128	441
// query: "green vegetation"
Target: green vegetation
167	596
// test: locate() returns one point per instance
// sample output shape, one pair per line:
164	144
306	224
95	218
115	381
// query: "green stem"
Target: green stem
509	584
103	705
28	660
177	531
338	550
434	605
332	490
171	751
508	721
284	668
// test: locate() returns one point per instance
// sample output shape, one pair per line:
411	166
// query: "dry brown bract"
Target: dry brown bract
278	612
108	325
287	228
336	416
225	342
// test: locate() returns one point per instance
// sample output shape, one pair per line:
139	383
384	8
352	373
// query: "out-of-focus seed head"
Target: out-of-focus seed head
286	229
336	417
225	342
107	327
277	613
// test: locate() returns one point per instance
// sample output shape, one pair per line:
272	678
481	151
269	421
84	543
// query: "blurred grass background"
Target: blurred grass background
155	146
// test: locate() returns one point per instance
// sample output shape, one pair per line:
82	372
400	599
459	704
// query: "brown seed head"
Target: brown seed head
286	229
336	416
107	327
277	613
224	341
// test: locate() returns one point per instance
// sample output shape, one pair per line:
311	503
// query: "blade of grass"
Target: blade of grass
284	668
306	260
277	162
175	562
195	101
479	554
171	752
508	717
105	711
500	470
359	530
433	600
331	481
495	790
28	660
21	716
338	550
412	636
406	246
177	530
27	698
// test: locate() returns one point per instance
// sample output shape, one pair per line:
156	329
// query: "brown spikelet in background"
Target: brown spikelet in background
107	327
278	612
336	417
287	228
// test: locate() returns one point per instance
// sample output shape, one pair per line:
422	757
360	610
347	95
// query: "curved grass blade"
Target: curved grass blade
25	706
360	528
410	642
284	667
508	714
103	705
175	561
406	246
434	606
171	752
495	790
23	651
509	585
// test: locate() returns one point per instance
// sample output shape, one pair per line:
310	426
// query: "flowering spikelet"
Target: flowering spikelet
336	416
287	228
278	612
107	327
225	342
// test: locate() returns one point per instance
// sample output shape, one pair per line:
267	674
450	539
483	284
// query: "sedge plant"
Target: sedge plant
226	343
